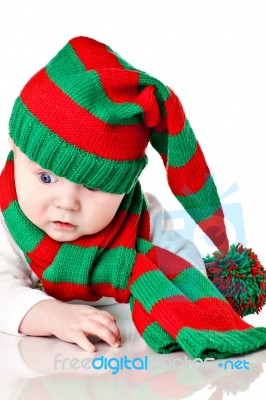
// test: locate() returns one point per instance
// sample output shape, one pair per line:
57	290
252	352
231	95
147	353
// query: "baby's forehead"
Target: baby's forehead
22	157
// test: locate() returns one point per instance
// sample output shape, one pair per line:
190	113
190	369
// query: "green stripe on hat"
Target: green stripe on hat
88	92
160	142
59	66
122	62
183	145
202	204
162	91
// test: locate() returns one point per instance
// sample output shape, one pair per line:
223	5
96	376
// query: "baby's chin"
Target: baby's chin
64	238
68	236
63	235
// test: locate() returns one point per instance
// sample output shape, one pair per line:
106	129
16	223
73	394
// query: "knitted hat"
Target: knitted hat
88	116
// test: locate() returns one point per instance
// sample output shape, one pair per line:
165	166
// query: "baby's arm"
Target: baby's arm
29	311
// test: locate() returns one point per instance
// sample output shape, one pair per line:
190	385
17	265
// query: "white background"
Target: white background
211	53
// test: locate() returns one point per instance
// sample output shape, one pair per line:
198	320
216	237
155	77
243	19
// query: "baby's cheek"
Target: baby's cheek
109	210
111	201
31	209
97	218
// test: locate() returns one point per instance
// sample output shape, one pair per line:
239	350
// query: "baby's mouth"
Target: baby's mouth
64	225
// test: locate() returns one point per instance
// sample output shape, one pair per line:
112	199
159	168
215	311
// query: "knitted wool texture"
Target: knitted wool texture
89	115
174	306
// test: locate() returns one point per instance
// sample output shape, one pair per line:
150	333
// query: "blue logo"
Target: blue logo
114	364
185	226
237	364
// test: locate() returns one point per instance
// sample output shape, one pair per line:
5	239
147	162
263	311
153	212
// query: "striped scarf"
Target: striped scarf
173	305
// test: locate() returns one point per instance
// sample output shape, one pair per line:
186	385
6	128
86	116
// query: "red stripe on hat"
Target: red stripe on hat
120	85
162	126
214	227
191	177
93	54
174	121
59	113
174	114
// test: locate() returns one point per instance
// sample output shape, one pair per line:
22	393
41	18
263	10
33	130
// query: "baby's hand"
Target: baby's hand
71	323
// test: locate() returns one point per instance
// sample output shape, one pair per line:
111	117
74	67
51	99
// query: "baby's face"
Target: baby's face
64	210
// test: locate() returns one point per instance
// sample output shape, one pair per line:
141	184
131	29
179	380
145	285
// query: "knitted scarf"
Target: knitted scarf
173	305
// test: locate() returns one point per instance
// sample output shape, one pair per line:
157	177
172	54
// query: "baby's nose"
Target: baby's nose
68	196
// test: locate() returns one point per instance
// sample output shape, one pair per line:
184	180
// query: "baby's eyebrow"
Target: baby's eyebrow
34	166
29	161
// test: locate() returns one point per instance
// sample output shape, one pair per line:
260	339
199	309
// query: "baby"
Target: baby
65	211
73	215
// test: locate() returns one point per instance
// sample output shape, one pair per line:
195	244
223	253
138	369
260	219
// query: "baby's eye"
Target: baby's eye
90	189
45	177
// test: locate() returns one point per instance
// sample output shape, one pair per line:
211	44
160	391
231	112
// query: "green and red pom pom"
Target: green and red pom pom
240	277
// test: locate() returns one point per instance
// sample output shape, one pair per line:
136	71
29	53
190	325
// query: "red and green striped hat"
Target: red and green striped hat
89	115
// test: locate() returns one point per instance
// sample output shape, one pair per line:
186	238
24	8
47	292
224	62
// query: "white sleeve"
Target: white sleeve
164	235
17	282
